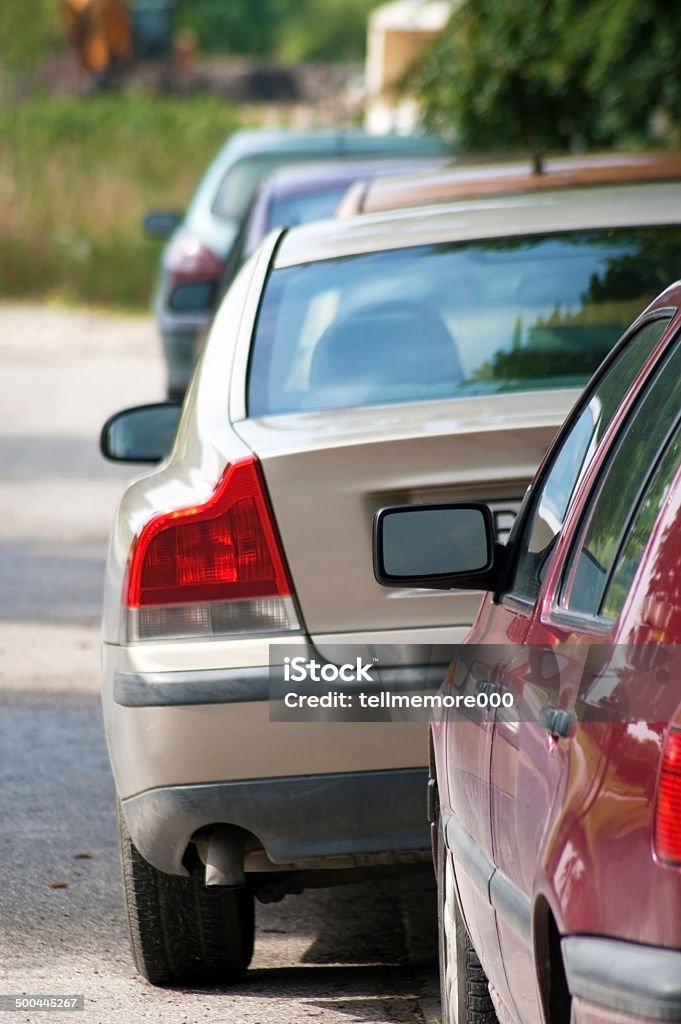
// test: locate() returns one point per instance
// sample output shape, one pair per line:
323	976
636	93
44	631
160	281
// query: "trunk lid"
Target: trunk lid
328	472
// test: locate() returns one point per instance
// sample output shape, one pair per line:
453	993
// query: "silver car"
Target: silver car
200	241
400	358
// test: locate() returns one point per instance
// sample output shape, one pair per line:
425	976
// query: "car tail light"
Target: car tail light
668	809
211	569
194	273
188	259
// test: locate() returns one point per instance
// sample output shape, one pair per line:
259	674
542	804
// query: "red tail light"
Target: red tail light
211	568
668	810
194	273
188	259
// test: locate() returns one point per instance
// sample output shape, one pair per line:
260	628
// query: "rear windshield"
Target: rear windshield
455	319
300	209
241	181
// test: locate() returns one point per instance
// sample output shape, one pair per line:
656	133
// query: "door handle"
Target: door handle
557	721
487	687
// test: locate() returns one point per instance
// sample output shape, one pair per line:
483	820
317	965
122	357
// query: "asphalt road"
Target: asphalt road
352	954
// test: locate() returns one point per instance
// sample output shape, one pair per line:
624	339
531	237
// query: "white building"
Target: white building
397	34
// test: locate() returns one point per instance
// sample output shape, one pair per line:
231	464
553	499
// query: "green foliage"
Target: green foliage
325	30
76	176
236	26
629	50
547	74
291	29
497	78
29	29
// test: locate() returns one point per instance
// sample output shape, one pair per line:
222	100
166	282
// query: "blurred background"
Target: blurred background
108	107
112	108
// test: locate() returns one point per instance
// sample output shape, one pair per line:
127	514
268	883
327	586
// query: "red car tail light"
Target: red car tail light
188	259
211	569
668	809
193	273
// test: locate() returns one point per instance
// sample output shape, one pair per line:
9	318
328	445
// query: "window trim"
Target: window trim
578	534
506	592
584	622
522	605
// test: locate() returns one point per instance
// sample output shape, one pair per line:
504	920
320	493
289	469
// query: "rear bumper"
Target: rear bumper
368	817
234	685
608	977
195	747
201	726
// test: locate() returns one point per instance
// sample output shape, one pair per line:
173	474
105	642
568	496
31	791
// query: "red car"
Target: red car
555	792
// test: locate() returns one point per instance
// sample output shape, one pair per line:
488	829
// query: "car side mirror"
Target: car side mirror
161	223
144	433
441	547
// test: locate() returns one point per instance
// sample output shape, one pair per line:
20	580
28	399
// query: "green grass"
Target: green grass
76	176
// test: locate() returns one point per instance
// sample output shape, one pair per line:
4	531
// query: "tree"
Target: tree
497	80
326	30
629	50
239	26
545	74
292	29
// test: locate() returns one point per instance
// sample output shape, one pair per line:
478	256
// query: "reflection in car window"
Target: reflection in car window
641	528
454	319
573	458
617	494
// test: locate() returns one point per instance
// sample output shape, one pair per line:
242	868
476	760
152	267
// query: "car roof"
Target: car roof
256	141
306	180
469	181
268	142
299	179
569	209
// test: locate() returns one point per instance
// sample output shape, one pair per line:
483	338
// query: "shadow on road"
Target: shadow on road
343	950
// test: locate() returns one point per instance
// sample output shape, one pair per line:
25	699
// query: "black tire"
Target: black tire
464	990
182	932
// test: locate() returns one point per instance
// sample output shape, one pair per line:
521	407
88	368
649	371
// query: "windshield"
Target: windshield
455	319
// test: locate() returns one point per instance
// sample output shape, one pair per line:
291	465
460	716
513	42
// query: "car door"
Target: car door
621	700
479	667
530	744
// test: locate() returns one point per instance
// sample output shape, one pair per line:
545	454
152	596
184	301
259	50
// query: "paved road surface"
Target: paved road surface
353	954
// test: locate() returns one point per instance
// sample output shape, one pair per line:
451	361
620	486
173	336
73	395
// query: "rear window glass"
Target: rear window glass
300	209
241	180
455	319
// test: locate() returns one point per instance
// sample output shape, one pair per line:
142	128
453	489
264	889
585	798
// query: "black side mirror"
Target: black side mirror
441	547
144	433
161	223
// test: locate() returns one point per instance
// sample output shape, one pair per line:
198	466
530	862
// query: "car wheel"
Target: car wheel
180	930
464	989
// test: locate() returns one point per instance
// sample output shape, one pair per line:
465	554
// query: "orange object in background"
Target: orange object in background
101	31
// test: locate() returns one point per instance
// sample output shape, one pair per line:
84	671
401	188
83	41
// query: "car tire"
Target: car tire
182	931
464	989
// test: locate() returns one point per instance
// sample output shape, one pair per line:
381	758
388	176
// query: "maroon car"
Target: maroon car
302	193
555	791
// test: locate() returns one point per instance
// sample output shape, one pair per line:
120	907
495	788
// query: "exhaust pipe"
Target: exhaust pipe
222	852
